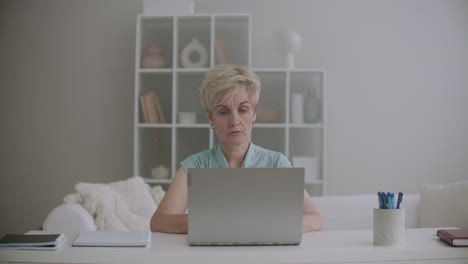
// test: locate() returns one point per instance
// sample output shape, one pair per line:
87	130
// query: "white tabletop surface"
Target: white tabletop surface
316	247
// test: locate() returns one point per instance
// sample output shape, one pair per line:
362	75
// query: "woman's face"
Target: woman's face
233	120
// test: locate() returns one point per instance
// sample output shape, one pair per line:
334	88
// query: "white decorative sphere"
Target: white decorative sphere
290	41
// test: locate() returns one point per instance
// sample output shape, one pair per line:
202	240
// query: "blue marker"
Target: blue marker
385	200
379	197
382	200
400	199
389	200
392	199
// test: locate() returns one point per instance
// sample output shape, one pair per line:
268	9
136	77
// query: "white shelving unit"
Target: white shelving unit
177	87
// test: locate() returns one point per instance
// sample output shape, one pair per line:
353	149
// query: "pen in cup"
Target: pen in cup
400	199
387	200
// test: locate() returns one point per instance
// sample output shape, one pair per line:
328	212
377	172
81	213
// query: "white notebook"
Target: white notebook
113	239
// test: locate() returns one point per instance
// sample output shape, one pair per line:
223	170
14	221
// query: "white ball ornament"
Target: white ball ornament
289	42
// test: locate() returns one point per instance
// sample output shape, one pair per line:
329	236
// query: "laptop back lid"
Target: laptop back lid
245	206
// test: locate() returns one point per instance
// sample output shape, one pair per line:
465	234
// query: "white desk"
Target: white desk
421	246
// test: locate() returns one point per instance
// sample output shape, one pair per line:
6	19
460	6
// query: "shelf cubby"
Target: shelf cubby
271	106
234	33
156	30
188	84
189	28
309	84
191	141
154	149
269	138
312	151
161	84
300	147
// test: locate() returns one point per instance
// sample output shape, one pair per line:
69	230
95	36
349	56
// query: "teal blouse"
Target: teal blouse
256	157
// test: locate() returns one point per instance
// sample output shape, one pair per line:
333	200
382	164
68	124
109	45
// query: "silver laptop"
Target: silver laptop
245	206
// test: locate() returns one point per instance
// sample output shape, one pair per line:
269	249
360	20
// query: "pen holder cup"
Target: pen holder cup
389	227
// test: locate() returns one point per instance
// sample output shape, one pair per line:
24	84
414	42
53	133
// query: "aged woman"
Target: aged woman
230	95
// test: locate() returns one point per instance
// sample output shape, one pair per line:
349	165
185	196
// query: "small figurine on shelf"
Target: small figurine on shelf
153	57
312	106
160	172
157	171
268	115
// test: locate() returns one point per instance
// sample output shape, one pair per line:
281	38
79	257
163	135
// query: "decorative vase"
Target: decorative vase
297	108
196	47
289	43
312	107
153	58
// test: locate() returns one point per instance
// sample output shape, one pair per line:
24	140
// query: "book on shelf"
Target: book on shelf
144	109
222	59
33	241
160	112
454	237
151	108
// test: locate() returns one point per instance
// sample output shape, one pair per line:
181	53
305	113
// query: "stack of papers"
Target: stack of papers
113	239
33	241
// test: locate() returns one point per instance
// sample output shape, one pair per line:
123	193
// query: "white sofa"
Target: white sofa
339	212
129	204
355	212
122	205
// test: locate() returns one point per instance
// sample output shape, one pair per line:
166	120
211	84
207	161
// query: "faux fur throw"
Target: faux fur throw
121	206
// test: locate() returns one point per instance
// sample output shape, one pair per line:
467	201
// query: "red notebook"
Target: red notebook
454	237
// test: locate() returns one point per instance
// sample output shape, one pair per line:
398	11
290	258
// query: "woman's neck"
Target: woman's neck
235	154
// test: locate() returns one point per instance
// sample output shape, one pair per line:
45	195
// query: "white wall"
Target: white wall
397	87
66	101
397	84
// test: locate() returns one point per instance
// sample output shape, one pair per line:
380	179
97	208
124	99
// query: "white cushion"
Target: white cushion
157	192
123	205
69	218
444	205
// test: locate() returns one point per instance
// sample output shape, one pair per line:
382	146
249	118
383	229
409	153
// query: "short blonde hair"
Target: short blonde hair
223	81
